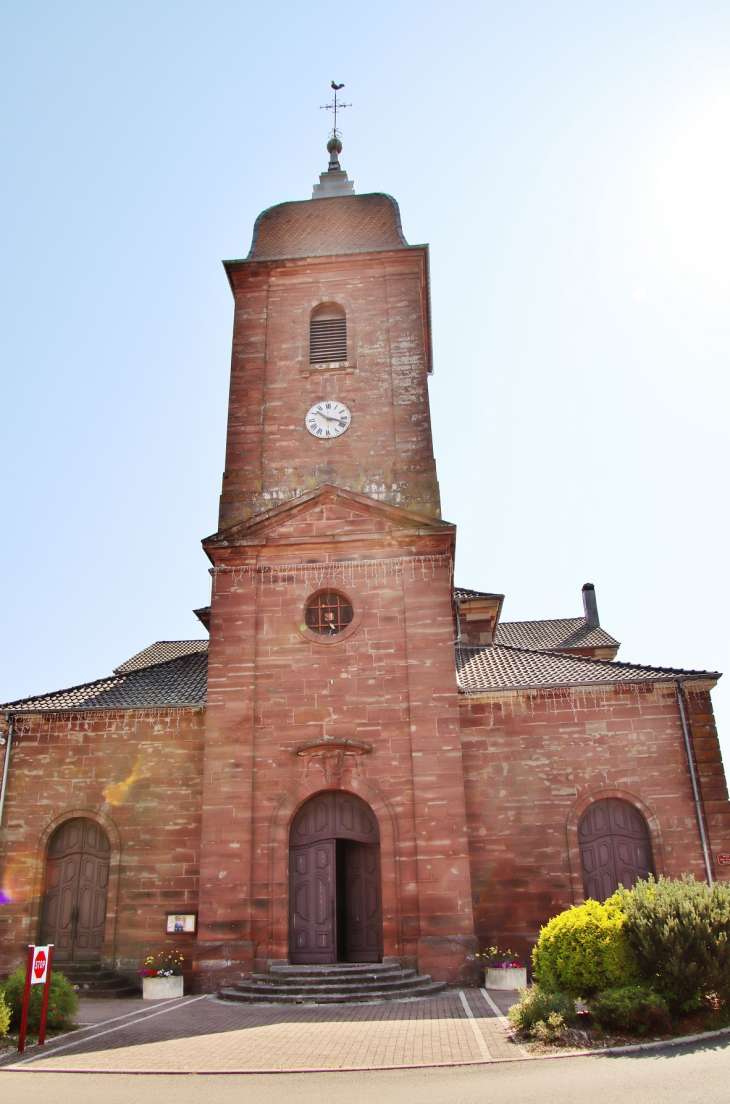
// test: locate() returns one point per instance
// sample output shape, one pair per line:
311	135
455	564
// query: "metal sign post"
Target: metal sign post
26	999
37	972
46	994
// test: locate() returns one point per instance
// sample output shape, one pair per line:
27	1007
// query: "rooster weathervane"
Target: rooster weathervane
335	106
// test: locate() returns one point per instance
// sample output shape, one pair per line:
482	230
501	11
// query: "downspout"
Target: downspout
10	717
693	776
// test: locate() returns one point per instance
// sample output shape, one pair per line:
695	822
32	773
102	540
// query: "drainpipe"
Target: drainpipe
10	717
693	776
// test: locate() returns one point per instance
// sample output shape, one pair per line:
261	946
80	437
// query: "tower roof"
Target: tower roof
324	227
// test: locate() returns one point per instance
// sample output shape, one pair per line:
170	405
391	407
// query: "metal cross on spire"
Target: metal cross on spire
335	106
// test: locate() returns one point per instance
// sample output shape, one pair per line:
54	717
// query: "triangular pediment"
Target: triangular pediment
325	513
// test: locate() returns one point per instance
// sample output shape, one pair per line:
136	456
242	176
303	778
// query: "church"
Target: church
360	762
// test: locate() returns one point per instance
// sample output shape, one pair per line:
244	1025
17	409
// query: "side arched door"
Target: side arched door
74	905
615	848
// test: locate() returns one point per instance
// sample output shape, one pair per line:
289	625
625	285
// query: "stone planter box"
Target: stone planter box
514	977
164	988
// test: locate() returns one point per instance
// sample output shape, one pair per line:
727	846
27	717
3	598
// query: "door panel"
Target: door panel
59	904
334	814
313	937
363	939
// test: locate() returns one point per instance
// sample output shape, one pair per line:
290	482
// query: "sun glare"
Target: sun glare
686	213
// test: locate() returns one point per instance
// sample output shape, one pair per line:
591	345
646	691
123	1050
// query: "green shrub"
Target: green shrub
62	1001
679	931
635	1008
536	1006
584	950
4	1017
551	1030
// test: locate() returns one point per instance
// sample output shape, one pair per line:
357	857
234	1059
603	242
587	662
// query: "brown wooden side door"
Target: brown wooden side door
74	907
312	921
363	924
615	848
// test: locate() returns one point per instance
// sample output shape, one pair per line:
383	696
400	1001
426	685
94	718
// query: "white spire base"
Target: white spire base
333	184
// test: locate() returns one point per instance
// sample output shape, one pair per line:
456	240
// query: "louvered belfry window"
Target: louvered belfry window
327	335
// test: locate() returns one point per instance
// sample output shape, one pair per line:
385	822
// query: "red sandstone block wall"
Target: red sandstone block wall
532	760
711	777
389	681
139	775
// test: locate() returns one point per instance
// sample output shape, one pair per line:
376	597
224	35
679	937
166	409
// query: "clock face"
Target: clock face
327	419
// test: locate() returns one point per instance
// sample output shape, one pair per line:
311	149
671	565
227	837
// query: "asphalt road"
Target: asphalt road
698	1074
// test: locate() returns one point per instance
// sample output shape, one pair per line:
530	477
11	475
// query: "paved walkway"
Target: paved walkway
203	1034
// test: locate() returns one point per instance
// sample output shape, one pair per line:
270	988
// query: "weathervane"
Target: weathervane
335	106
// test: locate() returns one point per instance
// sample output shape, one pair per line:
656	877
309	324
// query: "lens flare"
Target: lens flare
116	793
17	879
685	208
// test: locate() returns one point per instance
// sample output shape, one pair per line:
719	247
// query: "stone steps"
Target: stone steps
333	984
97	982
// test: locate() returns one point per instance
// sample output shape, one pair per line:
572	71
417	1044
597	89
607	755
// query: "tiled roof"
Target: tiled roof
160	652
462	594
563	632
181	681
500	667
323	227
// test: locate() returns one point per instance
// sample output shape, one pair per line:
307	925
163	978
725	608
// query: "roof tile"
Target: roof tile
160	652
561	632
181	681
502	667
325	227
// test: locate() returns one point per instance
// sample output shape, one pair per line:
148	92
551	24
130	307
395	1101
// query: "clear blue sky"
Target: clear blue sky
569	162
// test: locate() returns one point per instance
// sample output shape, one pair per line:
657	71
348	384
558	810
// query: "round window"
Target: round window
328	612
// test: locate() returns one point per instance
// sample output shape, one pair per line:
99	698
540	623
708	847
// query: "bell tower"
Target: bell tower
331	306
331	678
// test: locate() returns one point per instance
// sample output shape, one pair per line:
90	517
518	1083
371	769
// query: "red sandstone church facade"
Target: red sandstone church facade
364	762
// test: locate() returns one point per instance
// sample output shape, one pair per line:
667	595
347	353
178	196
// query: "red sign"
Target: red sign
723	859
40	966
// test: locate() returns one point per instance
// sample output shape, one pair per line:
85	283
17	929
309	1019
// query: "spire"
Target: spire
334	182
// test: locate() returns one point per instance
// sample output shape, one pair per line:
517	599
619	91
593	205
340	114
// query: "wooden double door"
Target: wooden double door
335	911
615	848
74	905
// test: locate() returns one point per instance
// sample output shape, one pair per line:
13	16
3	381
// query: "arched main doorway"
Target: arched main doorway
615	847
74	905
335	912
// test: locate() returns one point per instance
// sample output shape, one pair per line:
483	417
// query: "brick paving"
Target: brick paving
205	1034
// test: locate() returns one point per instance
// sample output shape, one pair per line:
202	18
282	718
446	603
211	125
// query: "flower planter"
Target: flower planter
509	977
162	988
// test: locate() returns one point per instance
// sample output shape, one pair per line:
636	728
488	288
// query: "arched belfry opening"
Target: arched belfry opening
335	911
327	334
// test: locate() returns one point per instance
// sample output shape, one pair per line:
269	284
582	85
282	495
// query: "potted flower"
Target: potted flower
162	976
503	969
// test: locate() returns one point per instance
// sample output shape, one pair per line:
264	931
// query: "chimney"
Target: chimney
590	606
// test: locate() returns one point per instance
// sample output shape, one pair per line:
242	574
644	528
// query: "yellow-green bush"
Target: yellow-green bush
4	1016
584	950
537	1006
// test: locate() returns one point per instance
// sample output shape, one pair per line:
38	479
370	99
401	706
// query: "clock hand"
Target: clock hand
330	417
